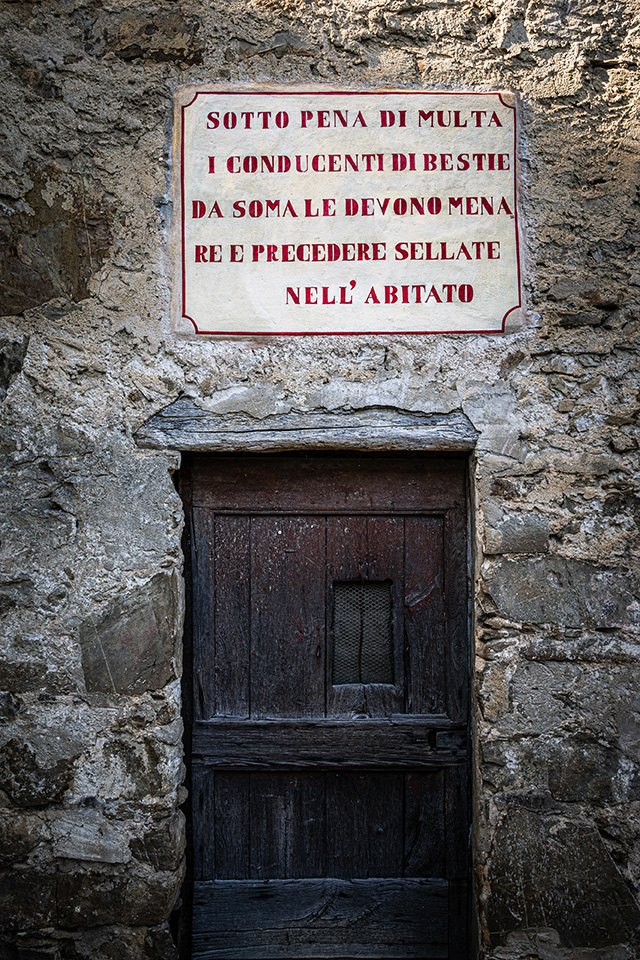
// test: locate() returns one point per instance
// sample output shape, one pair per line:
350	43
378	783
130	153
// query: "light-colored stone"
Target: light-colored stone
90	370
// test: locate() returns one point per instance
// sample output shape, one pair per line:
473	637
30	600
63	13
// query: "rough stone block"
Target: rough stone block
163	845
138	34
27	898
130	647
19	835
94	898
567	592
30	782
87	835
527	534
582	771
53	244
550	873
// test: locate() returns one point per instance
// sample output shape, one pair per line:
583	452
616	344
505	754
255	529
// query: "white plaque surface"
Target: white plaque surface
330	212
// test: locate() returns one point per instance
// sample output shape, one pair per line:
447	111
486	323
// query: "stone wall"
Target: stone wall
91	766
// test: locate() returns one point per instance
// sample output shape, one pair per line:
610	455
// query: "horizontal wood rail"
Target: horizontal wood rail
320	918
294	744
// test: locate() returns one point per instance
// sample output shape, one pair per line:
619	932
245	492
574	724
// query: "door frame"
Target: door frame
187	428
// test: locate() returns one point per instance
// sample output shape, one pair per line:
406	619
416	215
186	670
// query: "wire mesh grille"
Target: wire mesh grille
362	633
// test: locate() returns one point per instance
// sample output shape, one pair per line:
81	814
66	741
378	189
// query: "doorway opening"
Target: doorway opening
326	706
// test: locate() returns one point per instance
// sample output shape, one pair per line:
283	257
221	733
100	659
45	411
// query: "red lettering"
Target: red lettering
325	296
433	293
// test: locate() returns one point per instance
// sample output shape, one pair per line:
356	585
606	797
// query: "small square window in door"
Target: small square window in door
362	632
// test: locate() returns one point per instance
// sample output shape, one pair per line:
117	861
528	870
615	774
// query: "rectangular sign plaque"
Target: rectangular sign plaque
330	212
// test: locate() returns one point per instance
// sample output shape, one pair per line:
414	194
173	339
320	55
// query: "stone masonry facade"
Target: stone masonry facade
91	591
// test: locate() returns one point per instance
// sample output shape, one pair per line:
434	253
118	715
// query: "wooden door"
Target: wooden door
329	777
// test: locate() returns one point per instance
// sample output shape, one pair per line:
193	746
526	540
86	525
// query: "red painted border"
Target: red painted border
347	93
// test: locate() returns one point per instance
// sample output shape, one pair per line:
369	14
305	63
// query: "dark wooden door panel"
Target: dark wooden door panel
287	659
329	774
328	484
364	824
248	920
349	823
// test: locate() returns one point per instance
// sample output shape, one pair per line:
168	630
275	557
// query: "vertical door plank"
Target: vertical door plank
346	561
385	551
231	813
232	616
287	826
457	821
287	617
424	615
203	820
364	824
203	618
425	838
457	615
459	920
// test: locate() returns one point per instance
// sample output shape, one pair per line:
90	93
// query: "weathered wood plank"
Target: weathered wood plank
424	615
287	617
425	839
459	920
202	552
364	824
327	484
328	743
232	559
457	820
231	821
457	615
320	918
184	425
203	822
287	826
